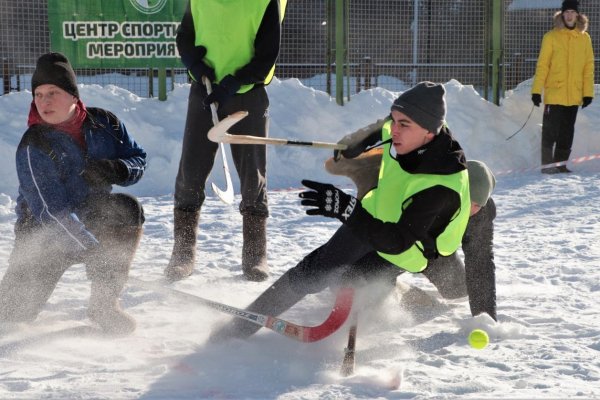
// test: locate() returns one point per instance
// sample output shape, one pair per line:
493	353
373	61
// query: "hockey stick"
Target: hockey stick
348	362
218	133
227	195
337	317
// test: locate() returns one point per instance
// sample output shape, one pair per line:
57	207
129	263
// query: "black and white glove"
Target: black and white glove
105	172
327	200
222	91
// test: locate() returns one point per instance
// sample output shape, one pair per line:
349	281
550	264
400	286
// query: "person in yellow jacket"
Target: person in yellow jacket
418	211
565	74
234	44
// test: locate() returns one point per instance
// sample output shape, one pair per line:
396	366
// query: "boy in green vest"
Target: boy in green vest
418	210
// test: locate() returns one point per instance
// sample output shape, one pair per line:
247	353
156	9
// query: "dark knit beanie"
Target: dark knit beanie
481	182
570	5
54	69
424	103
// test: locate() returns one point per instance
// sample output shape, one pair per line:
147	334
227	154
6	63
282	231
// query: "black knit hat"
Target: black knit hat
424	103
54	69
570	5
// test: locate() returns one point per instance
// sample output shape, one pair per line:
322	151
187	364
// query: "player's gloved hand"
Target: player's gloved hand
222	91
586	102
355	147
536	99
105	172
200	69
327	200
359	140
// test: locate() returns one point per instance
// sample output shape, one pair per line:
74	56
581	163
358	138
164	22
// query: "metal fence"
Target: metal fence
389	43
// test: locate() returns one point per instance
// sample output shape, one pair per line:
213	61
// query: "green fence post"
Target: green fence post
497	51
162	84
340	48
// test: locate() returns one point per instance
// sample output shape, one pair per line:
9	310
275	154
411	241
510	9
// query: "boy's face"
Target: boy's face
570	18
407	135
54	104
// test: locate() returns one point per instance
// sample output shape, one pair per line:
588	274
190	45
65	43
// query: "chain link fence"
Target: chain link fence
388	43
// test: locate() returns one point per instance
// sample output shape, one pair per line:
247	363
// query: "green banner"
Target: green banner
116	33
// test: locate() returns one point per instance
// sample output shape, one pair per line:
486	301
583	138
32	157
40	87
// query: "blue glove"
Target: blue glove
222	91
328	200
586	102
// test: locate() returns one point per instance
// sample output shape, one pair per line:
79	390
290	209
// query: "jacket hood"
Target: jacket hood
581	24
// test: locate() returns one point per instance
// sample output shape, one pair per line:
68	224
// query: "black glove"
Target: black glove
536	99
200	69
222	91
328	200
105	172
359	140
586	102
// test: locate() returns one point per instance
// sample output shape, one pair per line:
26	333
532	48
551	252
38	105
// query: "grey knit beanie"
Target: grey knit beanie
481	182
425	104
54	69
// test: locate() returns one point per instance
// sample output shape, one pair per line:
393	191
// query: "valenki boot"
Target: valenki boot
183	256
254	249
108	270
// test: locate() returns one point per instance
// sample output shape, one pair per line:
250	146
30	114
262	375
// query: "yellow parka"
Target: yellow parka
565	66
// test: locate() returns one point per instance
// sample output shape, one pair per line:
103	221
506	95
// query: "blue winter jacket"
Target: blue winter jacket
50	163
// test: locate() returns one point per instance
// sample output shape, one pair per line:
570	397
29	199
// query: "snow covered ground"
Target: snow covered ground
545	345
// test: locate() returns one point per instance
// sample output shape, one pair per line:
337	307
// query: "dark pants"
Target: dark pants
37	262
558	130
198	152
344	260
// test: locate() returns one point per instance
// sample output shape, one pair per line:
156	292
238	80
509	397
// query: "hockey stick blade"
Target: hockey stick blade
218	133
337	317
226	196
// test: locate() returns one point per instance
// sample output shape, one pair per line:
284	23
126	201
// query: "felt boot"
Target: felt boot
254	249
108	270
183	256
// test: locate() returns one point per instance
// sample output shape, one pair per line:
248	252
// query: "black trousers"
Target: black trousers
198	152
558	130
344	260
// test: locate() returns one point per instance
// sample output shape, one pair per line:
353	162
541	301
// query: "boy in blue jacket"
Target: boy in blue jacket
67	161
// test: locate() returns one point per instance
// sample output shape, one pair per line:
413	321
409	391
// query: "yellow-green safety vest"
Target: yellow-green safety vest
396	186
231	46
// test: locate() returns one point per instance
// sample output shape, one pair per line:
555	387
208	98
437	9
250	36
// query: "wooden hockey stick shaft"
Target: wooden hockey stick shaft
349	352
218	133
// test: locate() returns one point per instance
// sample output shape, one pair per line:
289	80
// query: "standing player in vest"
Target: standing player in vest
418	211
234	44
565	72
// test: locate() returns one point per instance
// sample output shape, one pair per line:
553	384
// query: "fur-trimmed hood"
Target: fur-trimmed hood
581	24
